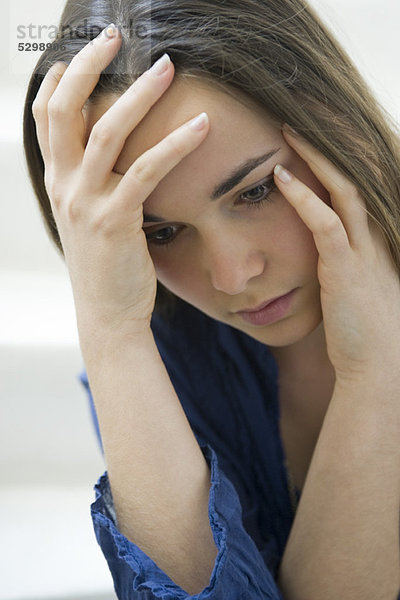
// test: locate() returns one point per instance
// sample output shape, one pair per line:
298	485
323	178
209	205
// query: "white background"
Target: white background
49	458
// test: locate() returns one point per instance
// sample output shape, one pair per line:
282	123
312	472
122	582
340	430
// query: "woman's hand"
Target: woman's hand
360	287
98	212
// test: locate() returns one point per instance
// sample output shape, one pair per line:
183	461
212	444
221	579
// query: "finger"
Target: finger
66	122
39	106
346	200
109	134
329	233
146	172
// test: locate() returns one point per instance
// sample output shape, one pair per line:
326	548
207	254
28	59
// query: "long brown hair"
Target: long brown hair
276	53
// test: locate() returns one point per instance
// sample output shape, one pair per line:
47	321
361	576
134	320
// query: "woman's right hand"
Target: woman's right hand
98	212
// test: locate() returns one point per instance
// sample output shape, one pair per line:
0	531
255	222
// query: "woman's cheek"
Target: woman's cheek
162	265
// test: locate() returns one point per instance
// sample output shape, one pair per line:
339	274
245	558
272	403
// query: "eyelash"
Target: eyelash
258	203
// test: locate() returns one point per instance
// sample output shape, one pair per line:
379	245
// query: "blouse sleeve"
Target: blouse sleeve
239	571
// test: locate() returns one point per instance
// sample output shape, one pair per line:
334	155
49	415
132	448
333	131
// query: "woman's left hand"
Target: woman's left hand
360	286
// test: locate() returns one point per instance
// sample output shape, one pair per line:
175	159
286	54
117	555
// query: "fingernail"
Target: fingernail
110	32
283	174
161	65
199	122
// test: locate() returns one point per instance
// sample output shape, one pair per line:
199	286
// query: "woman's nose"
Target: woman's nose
232	264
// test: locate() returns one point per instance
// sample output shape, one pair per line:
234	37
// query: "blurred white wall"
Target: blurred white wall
49	457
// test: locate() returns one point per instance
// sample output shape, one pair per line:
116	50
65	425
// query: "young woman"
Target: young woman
237	294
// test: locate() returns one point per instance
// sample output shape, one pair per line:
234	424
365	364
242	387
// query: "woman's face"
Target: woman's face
244	247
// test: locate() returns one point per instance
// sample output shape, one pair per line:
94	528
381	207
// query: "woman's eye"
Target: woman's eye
254	197
162	237
258	194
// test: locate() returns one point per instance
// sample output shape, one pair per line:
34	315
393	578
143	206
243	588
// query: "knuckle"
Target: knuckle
54	191
56	200
54	75
56	109
331	225
74	210
102	224
54	194
101	134
178	144
37	109
303	195
144	170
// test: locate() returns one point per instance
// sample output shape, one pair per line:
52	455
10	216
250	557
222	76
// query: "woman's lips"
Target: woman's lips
260	307
269	311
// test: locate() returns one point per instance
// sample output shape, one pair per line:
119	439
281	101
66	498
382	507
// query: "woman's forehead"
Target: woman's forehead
230	122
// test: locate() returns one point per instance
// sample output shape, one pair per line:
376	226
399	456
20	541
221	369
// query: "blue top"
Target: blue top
227	384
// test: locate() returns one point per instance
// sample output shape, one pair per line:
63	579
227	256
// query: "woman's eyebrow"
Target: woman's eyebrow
233	179
240	173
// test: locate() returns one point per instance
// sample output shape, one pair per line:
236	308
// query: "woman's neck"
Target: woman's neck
306	383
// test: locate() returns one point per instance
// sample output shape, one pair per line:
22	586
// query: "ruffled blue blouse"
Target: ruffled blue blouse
227	383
